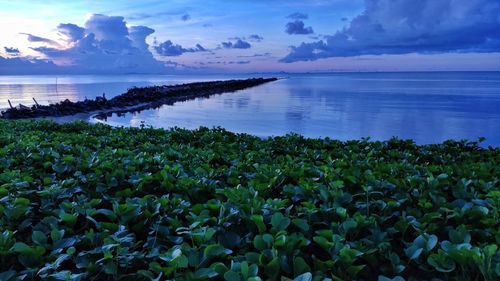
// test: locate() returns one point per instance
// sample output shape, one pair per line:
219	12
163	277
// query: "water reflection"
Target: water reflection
22	89
427	107
349	106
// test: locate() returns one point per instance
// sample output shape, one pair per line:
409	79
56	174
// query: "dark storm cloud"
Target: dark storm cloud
12	51
298	27
169	49
71	32
238	44
255	38
408	26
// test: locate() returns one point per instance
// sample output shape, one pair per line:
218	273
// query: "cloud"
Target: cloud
297	27
239	62
255	38
104	45
178	65
162	14
38	39
169	49
298	16
404	26
12	51
239	44
256	55
305	52
138	35
107	28
227	45
71	32
185	17
15	66
224	62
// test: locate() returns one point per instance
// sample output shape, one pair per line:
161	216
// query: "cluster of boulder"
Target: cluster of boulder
134	99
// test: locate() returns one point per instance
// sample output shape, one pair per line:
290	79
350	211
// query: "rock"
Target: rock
141	98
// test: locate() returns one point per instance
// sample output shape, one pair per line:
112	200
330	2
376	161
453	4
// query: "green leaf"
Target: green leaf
301	224
232	276
215	250
268	239
110	268
205	273
272	269
348	255
323	242
280	240
349	225
71	251
253	270
460	235
490	250
39	237
22	248
68	218
425	241
244	270
21	201
441	262
431	242
413	252
171	254
304	277
259	222
253	257
300	266
64	243
279	222
230	239
220	268
56	234
63	275
259	243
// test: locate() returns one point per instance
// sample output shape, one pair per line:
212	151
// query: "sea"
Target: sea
427	107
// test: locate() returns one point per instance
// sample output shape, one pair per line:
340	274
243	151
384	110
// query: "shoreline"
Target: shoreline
135	99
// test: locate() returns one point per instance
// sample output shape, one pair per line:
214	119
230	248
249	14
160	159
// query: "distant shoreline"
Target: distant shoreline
252	73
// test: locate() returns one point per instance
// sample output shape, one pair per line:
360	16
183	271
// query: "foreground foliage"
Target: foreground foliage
89	202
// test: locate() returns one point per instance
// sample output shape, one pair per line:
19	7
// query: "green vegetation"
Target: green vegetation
90	202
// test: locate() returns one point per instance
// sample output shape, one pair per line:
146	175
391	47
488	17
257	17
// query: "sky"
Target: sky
246	36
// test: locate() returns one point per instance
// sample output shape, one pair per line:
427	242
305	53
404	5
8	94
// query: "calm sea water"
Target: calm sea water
426	107
50	89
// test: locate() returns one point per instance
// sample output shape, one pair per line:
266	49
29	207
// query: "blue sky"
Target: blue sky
248	36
